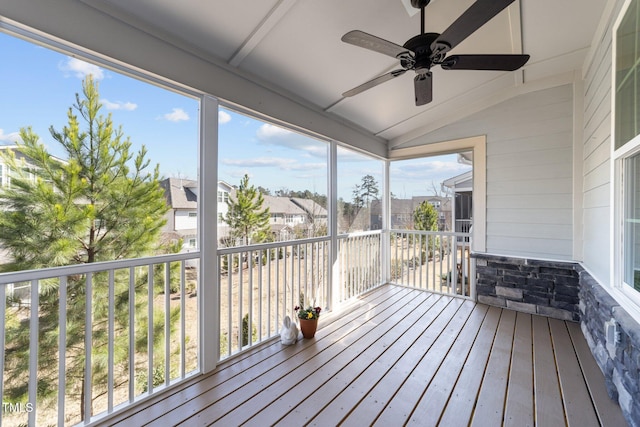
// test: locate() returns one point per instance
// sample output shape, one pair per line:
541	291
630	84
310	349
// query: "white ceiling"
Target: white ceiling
294	45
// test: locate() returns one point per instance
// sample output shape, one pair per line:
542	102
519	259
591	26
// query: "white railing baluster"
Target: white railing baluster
269	293
33	348
276	321
240	299
183	311
111	339
249	313
150	334
261	296
3	317
167	323
132	333
88	344
229	302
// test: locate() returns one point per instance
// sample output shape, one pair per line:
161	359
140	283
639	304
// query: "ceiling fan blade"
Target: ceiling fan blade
480	12
484	62
375	82
371	42
423	85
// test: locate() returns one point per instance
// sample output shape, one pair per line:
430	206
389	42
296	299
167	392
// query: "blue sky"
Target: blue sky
38	85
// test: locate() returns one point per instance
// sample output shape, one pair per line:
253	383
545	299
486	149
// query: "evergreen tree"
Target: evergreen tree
425	217
245	217
100	203
369	189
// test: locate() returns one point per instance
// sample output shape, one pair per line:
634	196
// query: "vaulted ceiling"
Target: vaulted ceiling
294	46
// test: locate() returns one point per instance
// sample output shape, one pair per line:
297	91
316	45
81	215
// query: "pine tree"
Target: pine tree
246	218
100	203
425	217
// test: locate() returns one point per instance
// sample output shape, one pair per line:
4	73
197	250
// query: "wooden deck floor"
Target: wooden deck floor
401	356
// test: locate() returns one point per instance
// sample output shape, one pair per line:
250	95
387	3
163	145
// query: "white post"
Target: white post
332	214
209	307
385	250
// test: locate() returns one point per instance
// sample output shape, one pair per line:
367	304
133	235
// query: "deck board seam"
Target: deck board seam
384	298
389	311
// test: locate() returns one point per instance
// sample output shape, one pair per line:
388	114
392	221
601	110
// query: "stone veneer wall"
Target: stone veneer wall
547	288
620	362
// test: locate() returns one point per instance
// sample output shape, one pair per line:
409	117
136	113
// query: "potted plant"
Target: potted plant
308	318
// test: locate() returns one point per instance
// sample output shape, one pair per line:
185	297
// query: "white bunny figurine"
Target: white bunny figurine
289	332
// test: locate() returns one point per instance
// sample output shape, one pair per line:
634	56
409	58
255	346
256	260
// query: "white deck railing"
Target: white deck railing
258	285
261	284
360	266
121	332
437	261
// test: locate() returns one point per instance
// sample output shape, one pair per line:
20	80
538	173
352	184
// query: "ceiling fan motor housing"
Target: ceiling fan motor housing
419	4
421	46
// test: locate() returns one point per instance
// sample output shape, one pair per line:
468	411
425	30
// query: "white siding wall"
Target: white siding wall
529	172
184	221
597	156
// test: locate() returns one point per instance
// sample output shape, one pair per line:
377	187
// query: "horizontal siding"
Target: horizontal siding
529	178
597	157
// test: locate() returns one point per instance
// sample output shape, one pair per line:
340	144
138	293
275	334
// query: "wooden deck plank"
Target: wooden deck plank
263	391
351	362
607	409
396	352
549	410
462	401
575	395
403	402
348	386
228	377
519	403
368	409
489	408
436	395
356	390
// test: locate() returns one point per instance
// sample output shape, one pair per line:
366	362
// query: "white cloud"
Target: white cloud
281	163
81	69
176	115
268	131
118	105
276	135
223	117
12	137
262	162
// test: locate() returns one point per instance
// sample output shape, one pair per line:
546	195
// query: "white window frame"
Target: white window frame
625	293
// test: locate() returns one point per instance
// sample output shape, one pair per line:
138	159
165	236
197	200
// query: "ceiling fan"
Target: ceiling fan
425	50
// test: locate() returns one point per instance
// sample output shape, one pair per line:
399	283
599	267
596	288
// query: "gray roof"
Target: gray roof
310	206
282	205
180	193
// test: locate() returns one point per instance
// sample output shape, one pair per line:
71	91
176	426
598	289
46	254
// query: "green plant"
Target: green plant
308	313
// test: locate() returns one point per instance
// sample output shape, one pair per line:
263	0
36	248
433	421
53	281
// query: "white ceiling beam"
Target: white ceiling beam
260	32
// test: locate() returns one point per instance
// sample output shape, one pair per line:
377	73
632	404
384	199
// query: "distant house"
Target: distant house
182	217
290	217
402	212
462	187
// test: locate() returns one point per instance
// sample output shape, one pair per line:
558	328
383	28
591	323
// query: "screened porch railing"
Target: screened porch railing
437	261
261	284
99	336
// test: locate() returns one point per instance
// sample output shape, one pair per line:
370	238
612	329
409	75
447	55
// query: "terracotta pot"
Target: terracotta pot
308	327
